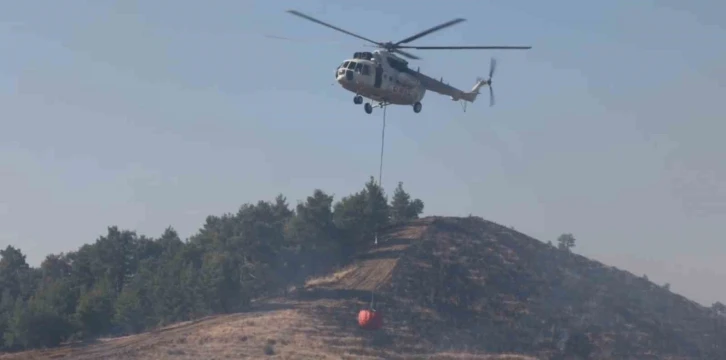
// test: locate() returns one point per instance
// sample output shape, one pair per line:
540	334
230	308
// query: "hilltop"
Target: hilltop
459	288
471	284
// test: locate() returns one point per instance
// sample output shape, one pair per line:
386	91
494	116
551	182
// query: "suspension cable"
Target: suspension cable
383	138
380	186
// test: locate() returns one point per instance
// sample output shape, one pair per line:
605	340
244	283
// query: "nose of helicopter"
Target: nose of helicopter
344	76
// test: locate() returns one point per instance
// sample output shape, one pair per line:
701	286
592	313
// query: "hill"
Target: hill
449	288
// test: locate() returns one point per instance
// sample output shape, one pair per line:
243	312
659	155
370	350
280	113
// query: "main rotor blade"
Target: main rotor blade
429	31
276	37
466	47
407	54
297	13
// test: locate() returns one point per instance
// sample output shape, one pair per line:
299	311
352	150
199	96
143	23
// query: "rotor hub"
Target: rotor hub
390	46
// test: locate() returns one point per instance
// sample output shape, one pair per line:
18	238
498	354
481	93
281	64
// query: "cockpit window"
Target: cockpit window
366	70
358	67
345	65
351	65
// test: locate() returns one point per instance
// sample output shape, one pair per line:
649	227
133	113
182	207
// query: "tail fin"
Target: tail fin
471	95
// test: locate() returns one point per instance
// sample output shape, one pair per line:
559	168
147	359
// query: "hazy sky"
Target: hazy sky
145	114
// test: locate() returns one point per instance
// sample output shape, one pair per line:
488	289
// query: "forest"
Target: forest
126	283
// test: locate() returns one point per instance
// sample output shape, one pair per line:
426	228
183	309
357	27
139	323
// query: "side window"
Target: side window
358	67
366	70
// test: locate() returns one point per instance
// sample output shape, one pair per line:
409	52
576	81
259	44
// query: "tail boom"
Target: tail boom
470	96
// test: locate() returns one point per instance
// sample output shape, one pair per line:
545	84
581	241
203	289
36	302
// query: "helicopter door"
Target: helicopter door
379	77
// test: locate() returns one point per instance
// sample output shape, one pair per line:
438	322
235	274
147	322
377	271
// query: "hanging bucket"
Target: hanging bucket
370	319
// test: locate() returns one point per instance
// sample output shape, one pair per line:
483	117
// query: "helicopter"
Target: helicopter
386	78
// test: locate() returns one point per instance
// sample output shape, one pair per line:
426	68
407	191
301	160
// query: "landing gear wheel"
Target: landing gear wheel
368	108
417	107
358	100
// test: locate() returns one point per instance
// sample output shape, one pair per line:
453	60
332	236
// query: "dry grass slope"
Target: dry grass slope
449	288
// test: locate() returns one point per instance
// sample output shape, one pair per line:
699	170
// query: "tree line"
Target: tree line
126	283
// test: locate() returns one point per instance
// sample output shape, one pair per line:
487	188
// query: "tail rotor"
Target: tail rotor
492	67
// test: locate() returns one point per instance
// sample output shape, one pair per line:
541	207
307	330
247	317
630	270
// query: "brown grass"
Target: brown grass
287	330
332	278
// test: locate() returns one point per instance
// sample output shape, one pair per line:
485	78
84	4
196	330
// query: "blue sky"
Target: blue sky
147	114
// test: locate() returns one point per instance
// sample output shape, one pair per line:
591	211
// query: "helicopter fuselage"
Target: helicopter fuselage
372	75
